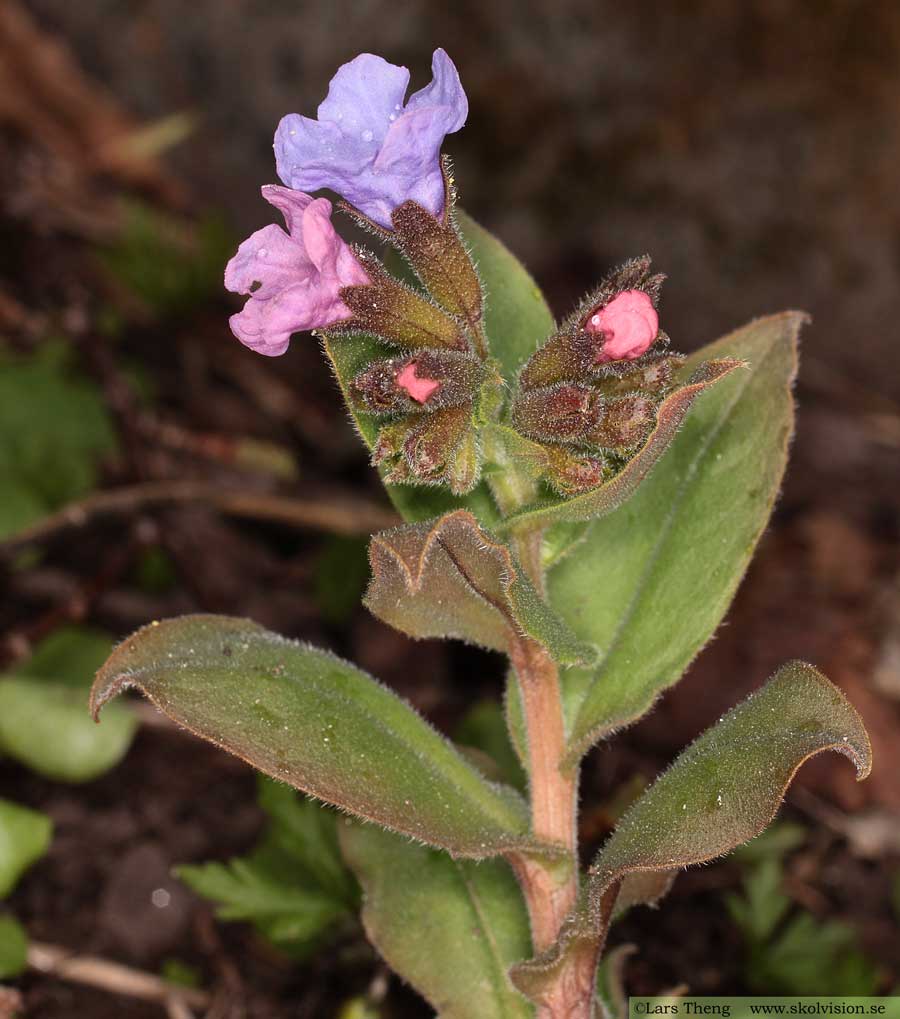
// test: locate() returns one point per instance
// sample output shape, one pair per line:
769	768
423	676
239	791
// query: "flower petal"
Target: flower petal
445	91
363	96
265	263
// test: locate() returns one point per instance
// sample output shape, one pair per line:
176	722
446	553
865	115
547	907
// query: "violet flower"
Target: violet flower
294	279
367	145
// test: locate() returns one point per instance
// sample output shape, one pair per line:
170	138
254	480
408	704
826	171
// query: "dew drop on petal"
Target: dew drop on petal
367	135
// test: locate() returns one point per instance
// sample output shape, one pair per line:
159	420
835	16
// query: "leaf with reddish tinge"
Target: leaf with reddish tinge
720	792
320	724
605	498
450	578
453	928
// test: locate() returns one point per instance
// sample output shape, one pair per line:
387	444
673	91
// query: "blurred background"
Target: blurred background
752	148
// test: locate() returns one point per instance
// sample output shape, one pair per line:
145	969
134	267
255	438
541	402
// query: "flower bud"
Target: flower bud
616	324
560	413
625	423
440	260
571	473
626	327
397	314
425	381
652	375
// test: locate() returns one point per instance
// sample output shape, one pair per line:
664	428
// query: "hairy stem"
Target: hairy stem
549	885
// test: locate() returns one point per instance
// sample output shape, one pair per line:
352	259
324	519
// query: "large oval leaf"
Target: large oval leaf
452	928
652	580
308	718
720	792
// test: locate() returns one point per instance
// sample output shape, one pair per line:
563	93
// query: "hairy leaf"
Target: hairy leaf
24	838
449	578
13	947
652	581
308	718
599	501
451	928
720	792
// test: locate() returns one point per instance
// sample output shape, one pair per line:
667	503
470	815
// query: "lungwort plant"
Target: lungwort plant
578	496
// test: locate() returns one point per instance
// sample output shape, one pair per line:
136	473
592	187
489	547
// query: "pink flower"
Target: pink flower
628	325
294	279
418	388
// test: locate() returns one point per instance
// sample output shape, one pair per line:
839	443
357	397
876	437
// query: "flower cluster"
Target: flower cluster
377	153
589	396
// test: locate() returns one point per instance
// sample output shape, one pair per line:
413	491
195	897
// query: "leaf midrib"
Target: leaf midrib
497	967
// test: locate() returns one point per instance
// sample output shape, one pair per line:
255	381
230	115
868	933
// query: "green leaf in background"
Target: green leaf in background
70	655
484	727
339	579
171	265
294	887
305	833
308	718
720	792
805	955
245	889
47	459
24	838
43	719
449	578
452	928
811	956
653	580
13	947
517	318
45	726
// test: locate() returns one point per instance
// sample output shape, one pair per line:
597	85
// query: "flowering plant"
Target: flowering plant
580	497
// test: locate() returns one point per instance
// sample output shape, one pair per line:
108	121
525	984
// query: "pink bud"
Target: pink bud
628	325
418	389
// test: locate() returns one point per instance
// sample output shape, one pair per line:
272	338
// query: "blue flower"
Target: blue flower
370	147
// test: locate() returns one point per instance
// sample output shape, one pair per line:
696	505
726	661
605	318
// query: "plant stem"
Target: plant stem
550	886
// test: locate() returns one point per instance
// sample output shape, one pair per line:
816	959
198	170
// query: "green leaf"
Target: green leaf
605	498
24	838
451	928
308	718
722	791
812	957
45	726
292	916
13	947
653	580
70	655
763	905
294	886
517	318
47	459
484	727
340	577
305	832
449	578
